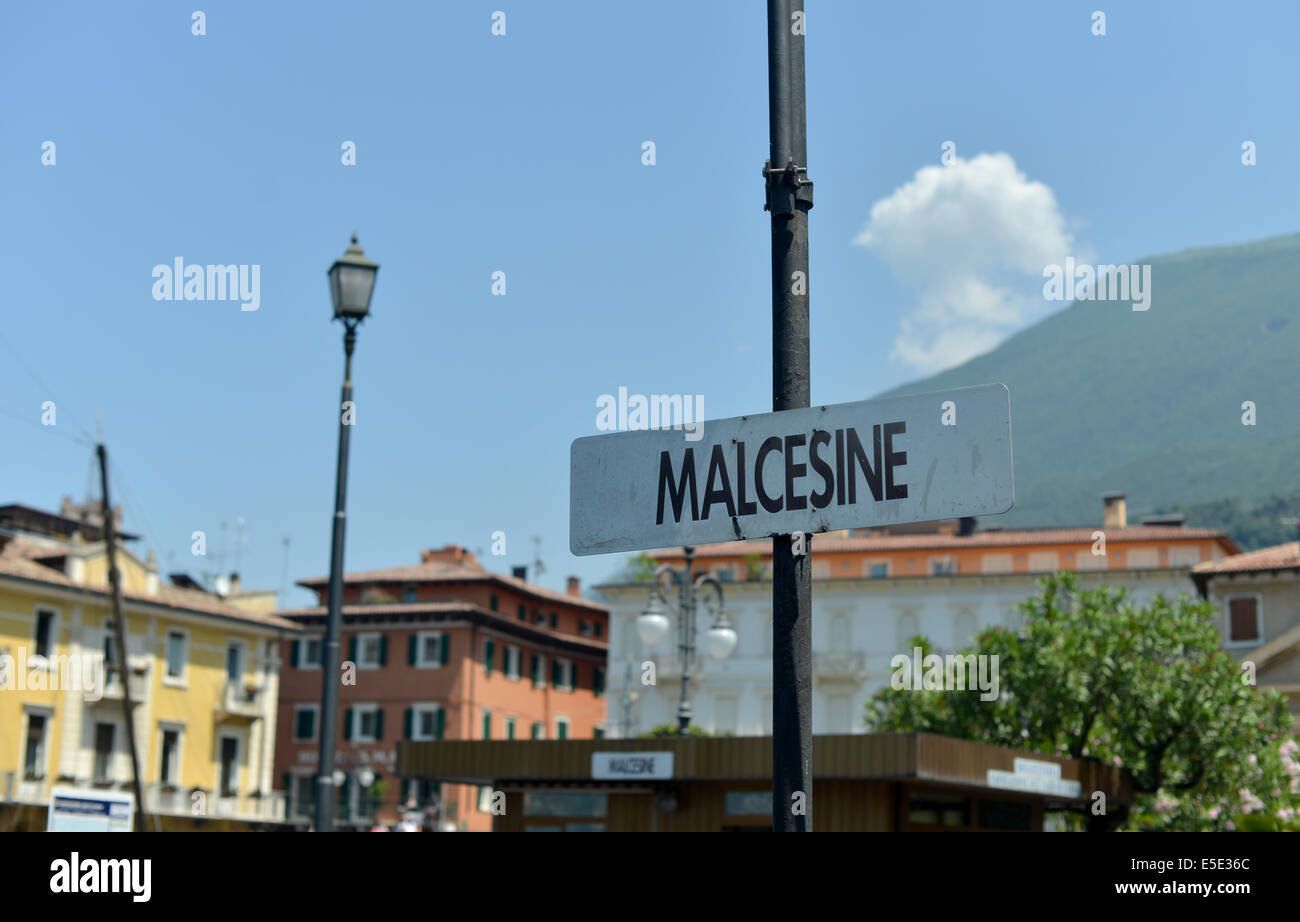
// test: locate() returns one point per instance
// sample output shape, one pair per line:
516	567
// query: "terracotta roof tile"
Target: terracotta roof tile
1278	557
15	562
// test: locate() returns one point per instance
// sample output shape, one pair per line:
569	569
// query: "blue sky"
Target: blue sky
522	153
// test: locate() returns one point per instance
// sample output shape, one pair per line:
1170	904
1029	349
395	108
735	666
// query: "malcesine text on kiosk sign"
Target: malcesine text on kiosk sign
907	459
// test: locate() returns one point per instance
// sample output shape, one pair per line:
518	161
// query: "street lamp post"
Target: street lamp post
652	625
352	282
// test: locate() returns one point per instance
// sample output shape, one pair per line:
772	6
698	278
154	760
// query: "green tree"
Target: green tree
1146	688
641	567
664	730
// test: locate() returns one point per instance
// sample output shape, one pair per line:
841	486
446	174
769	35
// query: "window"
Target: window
562	674
308	652
538	670
175	655
838	719
34	753
726	714
1143	558
821	569
1184	556
942	566
408	594
523	612
234	662
364	723
598	628
1001	814
926	809
598	681
494	603
514	662
304	798
487	725
304	722
582	805
229	767
169	758
996	563
747	803
510	728
555	621
561	728
428	649
425	722
489	654
44	633
584	628
1044	561
110	648
877	569
103	767
1243	620
538	731
369	650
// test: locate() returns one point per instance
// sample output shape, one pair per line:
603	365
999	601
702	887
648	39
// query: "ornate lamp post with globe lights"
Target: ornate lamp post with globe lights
652	626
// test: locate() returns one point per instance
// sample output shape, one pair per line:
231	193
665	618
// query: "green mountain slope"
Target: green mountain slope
1107	398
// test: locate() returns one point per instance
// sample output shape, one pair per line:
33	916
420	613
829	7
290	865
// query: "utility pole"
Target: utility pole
119	633
789	198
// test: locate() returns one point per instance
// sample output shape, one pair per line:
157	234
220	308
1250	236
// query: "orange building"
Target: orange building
443	649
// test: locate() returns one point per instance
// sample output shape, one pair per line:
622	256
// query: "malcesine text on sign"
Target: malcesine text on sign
902	459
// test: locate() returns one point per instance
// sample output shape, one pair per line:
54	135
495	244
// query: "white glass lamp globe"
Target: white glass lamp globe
652	627
720	641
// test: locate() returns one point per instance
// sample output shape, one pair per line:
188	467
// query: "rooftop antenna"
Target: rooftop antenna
538	567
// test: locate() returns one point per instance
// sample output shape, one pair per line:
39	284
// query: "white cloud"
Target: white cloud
971	239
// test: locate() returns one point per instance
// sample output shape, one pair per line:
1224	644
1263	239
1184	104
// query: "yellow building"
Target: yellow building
203	676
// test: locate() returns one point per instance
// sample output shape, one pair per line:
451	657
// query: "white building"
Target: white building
871	593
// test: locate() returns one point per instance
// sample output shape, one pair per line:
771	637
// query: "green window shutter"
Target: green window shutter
492	603
412	643
409	721
555	673
535	732
487	725
535	667
295	653
379	724
489	654
352	648
288	781
598	681
598	733
510	728
562	731
441	724
445	651
523	612
347	724
383	649
573	676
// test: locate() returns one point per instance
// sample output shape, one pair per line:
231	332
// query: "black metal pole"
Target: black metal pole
789	197
686	627
329	696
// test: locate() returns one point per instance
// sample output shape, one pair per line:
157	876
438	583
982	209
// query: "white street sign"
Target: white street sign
875	462
612	766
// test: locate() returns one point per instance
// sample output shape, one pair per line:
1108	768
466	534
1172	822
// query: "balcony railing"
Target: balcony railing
138	680
839	666
18	789
180	801
239	699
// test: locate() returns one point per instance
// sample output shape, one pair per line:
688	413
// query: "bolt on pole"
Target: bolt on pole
789	198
